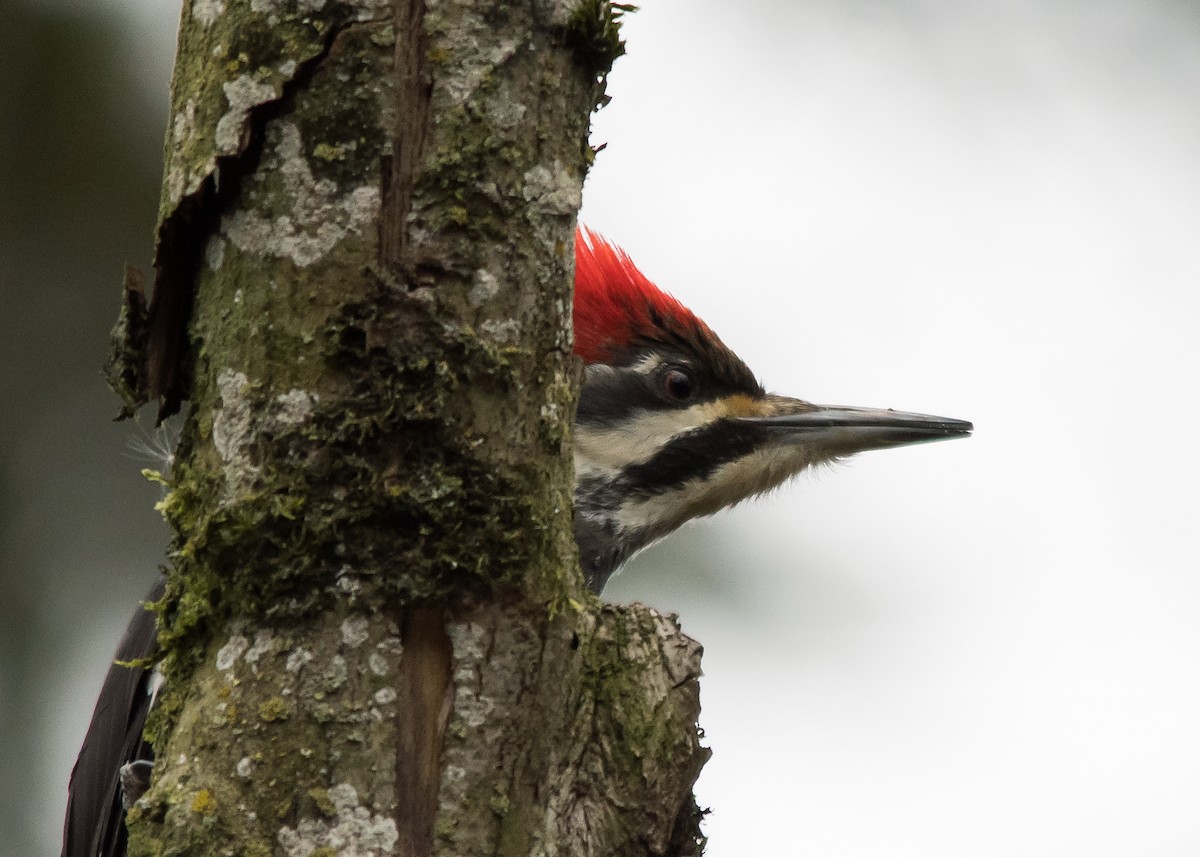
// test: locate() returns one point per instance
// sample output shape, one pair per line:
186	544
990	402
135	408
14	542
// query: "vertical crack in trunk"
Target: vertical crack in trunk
412	130
424	700
426	686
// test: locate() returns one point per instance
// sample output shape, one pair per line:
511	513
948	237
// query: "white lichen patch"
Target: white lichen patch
245	766
207	11
262	645
502	331
297	659
214	253
469	642
233	429
378	664
294	406
318	216
184	123
470	708
385	696
483	288
336	674
475	60
504	112
353	831
242	93
228	654
269	7
175	181
239	419
553	189
355	631
233	421
368	10
557	13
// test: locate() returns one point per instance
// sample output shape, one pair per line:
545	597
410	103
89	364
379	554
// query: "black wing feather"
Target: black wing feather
95	822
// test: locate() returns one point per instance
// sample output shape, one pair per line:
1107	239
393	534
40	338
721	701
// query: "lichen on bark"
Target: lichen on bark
376	634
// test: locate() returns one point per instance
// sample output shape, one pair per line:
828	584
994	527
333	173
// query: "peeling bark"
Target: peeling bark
377	637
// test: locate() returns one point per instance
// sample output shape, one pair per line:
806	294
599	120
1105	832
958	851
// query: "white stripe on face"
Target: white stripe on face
737	480
604	451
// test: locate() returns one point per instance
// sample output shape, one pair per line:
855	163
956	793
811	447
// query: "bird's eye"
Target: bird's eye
678	385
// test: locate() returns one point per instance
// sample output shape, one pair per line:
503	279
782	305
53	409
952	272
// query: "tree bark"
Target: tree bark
376	635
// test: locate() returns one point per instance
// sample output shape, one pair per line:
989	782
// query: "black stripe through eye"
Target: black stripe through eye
692	456
612	398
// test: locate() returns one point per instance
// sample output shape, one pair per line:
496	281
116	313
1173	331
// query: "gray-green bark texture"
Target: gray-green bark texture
376	634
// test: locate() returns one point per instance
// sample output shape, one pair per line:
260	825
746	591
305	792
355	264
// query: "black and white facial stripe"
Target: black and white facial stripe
696	454
660	380
658	425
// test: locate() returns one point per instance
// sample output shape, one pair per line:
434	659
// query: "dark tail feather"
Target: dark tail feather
95	822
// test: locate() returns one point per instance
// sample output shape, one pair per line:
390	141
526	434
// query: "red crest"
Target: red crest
616	306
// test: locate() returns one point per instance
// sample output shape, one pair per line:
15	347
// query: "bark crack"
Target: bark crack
423	707
413	96
179	251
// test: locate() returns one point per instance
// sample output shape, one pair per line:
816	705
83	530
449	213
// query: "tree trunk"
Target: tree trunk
377	637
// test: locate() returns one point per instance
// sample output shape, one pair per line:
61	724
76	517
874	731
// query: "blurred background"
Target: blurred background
982	210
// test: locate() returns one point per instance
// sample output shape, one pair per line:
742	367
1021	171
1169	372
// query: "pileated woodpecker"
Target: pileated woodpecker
671	426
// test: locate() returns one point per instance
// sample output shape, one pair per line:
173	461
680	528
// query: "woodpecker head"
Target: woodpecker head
672	425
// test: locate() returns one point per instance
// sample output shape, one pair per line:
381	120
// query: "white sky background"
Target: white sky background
986	211
982	210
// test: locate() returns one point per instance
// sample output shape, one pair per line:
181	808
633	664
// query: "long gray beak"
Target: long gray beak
843	431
